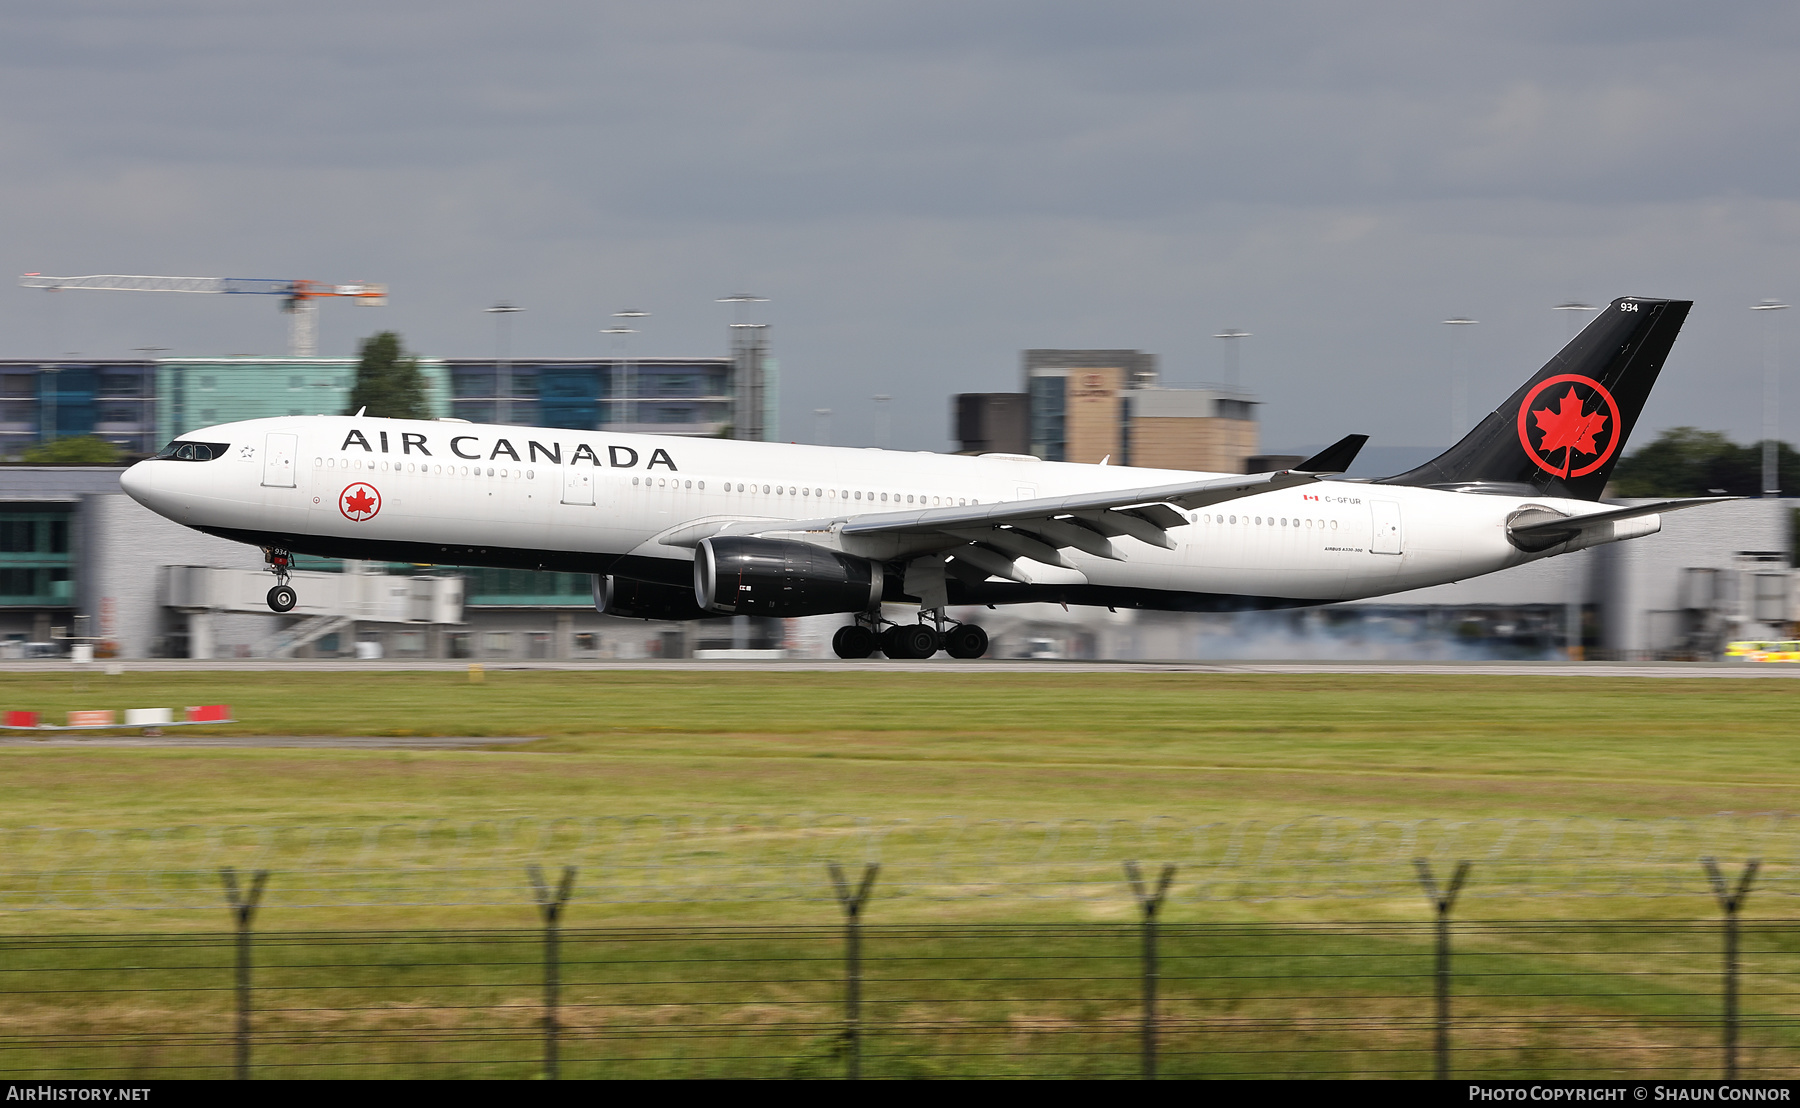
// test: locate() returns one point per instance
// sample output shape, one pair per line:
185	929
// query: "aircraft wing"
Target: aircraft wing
987	539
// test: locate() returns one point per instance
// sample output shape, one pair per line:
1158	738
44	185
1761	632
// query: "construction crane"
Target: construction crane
299	298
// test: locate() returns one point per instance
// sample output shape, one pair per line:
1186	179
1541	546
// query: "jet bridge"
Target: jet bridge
330	602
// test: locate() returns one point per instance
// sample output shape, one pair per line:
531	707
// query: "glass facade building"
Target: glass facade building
35	556
656	396
114	400
195	392
139	405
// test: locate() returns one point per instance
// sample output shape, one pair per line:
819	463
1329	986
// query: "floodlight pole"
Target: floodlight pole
622	385
1459	393
1232	337
883	432
1572	636
630	316
503	384
1771	467
749	345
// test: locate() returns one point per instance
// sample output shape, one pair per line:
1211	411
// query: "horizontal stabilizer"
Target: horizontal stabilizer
1535	528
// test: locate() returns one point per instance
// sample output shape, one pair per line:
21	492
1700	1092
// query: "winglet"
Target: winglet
1335	458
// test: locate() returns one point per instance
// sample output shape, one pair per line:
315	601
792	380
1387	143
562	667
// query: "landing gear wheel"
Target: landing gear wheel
282	598
966	641
854	641
915	641
889	640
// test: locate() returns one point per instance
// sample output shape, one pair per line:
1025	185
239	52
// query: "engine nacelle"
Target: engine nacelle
623	596
779	577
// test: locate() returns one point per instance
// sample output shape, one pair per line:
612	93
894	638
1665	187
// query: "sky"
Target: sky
924	189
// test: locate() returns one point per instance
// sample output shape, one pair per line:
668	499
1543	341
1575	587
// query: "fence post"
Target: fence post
1732	902
550	903
243	907
1149	902
852	903
1442	900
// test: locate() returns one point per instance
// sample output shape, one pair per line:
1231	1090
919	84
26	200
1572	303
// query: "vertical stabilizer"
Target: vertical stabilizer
1563	431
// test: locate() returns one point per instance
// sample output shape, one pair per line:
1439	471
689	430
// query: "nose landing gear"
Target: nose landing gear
282	597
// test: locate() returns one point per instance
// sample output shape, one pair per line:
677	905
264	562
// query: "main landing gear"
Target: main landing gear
282	597
910	640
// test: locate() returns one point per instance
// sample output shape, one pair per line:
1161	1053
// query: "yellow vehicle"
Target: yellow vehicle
1759	650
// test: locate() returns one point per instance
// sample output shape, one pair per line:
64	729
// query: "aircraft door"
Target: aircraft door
1384	532
278	460
577	484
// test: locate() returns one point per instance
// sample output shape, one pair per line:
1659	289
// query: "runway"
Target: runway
1724	670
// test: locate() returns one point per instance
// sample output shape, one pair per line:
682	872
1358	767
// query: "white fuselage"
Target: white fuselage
578	497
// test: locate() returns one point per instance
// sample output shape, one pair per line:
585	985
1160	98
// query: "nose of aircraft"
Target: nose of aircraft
136	482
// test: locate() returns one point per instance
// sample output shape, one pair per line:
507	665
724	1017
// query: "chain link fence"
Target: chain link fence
739	859
1556	999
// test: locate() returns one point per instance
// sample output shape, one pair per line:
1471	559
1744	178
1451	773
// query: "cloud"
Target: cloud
927	188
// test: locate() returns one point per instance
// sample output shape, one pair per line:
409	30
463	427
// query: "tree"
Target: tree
388	381
1685	461
83	450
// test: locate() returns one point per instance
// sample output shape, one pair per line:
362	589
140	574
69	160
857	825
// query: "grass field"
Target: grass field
1055	745
1058	744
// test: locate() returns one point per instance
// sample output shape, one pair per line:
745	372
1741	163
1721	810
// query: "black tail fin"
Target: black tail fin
1565	429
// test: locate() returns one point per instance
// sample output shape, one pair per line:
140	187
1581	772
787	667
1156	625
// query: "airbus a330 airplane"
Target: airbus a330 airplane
680	528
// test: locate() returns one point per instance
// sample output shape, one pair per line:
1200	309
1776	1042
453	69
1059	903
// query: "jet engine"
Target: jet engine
623	596
740	575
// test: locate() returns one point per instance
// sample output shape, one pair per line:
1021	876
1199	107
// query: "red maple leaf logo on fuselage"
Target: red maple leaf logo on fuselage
359	502
1568	429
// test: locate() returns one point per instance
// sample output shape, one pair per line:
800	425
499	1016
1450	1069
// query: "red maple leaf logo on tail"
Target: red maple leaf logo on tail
1566	428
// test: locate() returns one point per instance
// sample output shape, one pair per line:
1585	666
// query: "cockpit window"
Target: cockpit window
193	451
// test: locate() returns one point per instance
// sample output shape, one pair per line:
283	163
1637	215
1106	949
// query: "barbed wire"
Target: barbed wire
674	859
